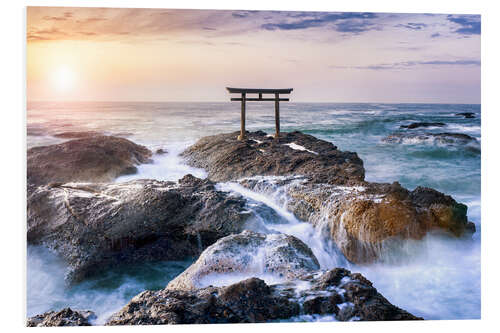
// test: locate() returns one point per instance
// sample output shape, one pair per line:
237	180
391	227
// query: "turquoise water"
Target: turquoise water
441	282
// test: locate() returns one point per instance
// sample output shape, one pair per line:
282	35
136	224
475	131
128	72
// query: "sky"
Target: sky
113	54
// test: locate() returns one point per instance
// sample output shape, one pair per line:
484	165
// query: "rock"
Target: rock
449	139
92	159
161	151
98	226
423	124
65	317
252	300
467	114
251	254
226	158
370	220
78	135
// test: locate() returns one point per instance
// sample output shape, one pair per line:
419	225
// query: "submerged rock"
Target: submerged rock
90	159
423	124
226	158
467	114
65	317
449	139
370	220
252	300
97	226
249	253
78	134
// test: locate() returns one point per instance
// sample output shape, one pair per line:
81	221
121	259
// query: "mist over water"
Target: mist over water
441	278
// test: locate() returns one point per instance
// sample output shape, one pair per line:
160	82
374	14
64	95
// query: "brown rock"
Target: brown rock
97	226
65	317
252	300
226	158
90	159
371	219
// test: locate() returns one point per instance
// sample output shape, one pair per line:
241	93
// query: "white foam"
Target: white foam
169	166
295	146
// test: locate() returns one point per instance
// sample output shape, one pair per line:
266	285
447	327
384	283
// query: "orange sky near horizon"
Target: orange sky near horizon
112	54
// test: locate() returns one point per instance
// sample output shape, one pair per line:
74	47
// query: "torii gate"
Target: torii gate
244	99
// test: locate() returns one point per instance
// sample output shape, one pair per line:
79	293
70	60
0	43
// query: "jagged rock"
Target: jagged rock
371	219
90	159
65	317
97	226
252	300
423	124
161	151
249	253
226	158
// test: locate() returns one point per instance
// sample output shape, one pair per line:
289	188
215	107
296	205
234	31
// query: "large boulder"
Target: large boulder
250	254
226	158
89	159
338	293
65	317
370	220
96	226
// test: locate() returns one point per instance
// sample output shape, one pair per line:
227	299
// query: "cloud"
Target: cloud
409	64
355	27
350	22
468	24
412	26
54	18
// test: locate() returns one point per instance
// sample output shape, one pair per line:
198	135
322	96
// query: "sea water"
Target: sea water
440	281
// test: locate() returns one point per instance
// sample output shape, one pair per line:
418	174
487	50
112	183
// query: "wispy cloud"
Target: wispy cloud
410	64
467	24
344	22
412	26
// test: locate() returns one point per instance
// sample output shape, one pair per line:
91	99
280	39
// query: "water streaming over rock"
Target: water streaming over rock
439	278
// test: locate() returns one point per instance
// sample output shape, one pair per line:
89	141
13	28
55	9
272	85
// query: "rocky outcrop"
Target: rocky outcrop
97	226
250	254
90	159
449	139
443	138
226	158
65	317
423	124
337	292
370	220
467	114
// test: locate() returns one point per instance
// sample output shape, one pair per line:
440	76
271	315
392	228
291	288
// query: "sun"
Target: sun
63	78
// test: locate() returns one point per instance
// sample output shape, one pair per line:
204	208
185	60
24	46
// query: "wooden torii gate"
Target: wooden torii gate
244	99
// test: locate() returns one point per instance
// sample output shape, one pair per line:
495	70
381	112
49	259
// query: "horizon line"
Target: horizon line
227	101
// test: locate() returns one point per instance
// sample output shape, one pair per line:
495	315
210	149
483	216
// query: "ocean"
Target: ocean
441	281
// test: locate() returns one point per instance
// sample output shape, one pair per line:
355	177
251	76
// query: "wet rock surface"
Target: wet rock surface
450	139
65	317
90	159
337	292
98	226
423	124
369	220
78	134
249	253
226	158
467	114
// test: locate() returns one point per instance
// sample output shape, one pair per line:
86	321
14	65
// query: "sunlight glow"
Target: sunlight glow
63	78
